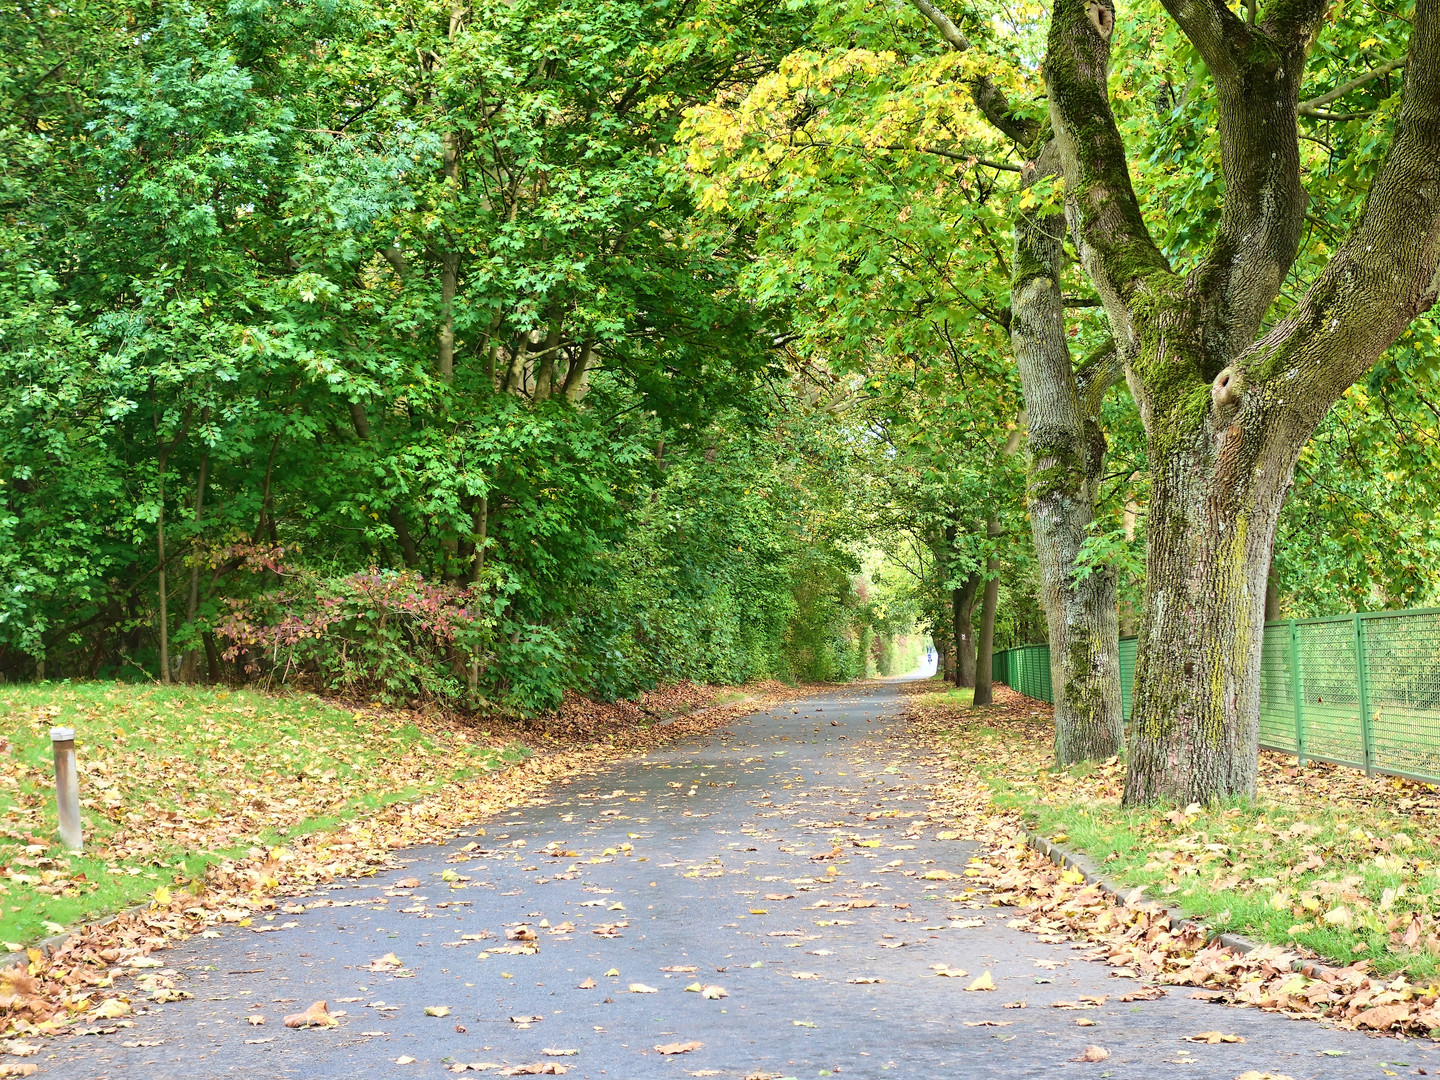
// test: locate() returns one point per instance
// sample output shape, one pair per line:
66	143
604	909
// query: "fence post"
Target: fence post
67	791
1362	678
1297	692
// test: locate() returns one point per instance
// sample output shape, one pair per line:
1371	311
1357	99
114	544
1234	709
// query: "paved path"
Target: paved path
698	860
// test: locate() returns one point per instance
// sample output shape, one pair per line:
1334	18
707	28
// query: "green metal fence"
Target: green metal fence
1360	690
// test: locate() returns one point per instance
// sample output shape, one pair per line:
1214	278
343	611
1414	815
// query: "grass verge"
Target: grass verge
1324	858
175	778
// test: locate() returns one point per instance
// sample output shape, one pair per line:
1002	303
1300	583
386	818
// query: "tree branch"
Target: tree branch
1115	247
988	97
1307	107
1388	270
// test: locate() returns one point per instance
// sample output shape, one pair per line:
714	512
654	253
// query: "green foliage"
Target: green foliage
339	319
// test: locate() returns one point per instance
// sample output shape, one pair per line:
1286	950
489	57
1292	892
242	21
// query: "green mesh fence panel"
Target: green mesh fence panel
1360	690
1127	674
1277	692
1402	659
1330	690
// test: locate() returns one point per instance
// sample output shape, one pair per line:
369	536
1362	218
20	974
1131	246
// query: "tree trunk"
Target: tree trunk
212	657
963	607
1214	503
482	521
449	277
577	379
984	662
192	602
1067	455
1272	592
160	575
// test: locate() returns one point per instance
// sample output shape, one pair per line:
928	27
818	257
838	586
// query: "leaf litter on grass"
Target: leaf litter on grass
60	988
983	757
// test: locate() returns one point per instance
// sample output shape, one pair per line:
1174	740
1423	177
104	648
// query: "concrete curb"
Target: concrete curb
1083	865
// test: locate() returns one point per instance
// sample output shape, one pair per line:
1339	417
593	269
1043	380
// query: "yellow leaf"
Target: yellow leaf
984	982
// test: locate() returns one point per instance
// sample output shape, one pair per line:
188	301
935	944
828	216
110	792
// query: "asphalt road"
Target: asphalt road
694	866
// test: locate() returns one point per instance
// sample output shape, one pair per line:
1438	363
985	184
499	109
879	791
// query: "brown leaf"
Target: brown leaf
1092	1054
678	1048
539	1068
408	883
1213	1038
316	1015
1384	1017
586	984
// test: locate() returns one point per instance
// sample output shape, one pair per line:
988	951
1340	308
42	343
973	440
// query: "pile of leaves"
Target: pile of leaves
93	980
997	779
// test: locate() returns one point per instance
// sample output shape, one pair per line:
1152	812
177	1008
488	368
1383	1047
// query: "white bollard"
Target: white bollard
67	787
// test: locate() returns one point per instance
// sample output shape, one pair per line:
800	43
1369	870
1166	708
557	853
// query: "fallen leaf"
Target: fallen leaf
408	883
1213	1038
316	1015
437	1010
1092	1054
405	1059
540	1068
984	982
678	1048
1383	1017
641	988
558	1052
255	1020
587	984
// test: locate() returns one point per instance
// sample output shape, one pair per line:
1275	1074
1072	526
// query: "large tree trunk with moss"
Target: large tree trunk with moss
1065	445
1227	409
1067	457
1214	505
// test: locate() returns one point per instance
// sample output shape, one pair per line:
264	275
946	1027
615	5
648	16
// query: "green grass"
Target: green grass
959	697
174	778
1324	857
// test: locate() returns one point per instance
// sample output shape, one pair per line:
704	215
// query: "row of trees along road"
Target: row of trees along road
1236	321
486	351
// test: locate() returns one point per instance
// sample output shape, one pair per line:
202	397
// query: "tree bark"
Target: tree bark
1067	455
1195	725
1066	446
963	606
1226	417
192	602
984	690
449	278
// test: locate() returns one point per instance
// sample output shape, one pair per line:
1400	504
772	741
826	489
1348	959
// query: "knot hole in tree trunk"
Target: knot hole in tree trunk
1227	389
1102	18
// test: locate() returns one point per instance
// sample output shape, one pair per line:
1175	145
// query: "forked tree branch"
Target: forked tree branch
1388	269
1115	246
